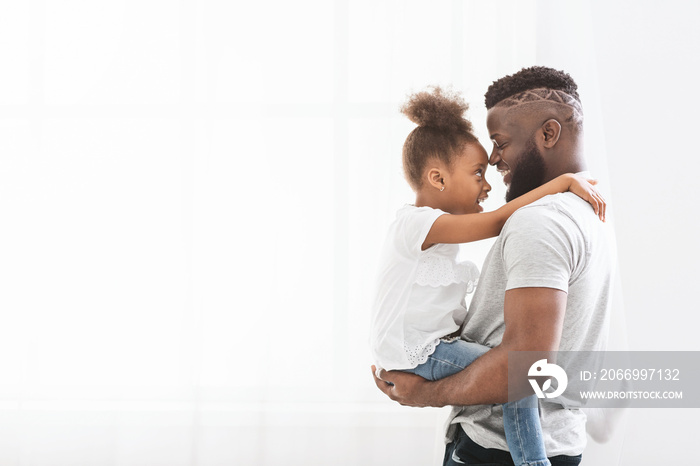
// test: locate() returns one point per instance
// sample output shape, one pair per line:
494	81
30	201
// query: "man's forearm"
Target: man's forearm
485	381
533	321
534	318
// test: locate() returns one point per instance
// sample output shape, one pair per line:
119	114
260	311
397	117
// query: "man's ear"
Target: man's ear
551	130
436	178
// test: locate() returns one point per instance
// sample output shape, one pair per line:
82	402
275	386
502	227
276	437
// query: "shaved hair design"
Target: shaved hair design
536	88
546	97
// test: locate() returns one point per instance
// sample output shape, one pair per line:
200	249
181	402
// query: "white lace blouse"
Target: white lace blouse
420	295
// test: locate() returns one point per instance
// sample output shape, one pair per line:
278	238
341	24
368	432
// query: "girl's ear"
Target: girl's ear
436	178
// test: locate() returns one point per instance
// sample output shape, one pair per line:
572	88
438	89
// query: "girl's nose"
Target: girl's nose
487	186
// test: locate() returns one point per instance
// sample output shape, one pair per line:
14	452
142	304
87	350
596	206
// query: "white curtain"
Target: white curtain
193	196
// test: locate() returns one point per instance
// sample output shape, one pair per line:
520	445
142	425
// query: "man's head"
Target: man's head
535	121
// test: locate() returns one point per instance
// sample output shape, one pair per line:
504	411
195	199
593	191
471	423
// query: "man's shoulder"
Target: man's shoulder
563	209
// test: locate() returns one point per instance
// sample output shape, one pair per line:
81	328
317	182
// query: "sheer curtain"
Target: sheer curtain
194	194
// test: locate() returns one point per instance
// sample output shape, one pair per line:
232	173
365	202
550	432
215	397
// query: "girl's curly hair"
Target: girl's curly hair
441	134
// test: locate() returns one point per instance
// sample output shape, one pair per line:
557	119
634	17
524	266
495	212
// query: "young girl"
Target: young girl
420	301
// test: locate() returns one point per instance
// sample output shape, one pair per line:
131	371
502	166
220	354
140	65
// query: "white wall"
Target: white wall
192	194
648	55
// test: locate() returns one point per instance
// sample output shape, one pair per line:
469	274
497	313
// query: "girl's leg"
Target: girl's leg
521	421
449	358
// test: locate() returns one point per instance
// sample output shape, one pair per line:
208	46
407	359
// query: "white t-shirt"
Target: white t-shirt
420	294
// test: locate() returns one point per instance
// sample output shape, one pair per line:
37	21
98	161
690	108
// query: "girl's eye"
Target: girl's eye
479	173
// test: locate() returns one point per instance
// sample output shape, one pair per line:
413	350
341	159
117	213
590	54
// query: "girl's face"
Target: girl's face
465	185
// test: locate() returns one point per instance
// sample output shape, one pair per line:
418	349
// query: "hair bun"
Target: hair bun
437	108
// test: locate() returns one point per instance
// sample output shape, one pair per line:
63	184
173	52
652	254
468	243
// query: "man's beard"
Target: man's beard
528	173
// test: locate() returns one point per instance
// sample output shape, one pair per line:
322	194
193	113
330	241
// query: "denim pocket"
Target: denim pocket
455	460
471	456
564	460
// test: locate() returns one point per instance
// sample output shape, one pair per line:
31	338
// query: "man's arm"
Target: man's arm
534	319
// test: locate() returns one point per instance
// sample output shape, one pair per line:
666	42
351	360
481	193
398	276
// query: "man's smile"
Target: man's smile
504	170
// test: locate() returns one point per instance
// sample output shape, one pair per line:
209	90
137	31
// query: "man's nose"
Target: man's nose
494	158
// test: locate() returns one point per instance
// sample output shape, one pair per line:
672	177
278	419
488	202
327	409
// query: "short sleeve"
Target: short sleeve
542	247
416	223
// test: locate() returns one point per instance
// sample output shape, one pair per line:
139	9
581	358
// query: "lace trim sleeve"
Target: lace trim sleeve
440	271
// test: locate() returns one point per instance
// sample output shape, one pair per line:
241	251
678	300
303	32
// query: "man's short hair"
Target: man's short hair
535	77
538	87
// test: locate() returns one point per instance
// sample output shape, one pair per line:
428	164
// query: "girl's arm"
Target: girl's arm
474	227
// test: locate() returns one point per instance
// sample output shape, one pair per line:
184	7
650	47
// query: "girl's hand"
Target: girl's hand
585	189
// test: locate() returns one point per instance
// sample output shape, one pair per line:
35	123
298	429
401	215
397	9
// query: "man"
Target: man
545	285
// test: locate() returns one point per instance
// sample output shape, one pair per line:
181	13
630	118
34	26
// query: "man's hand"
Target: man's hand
407	389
